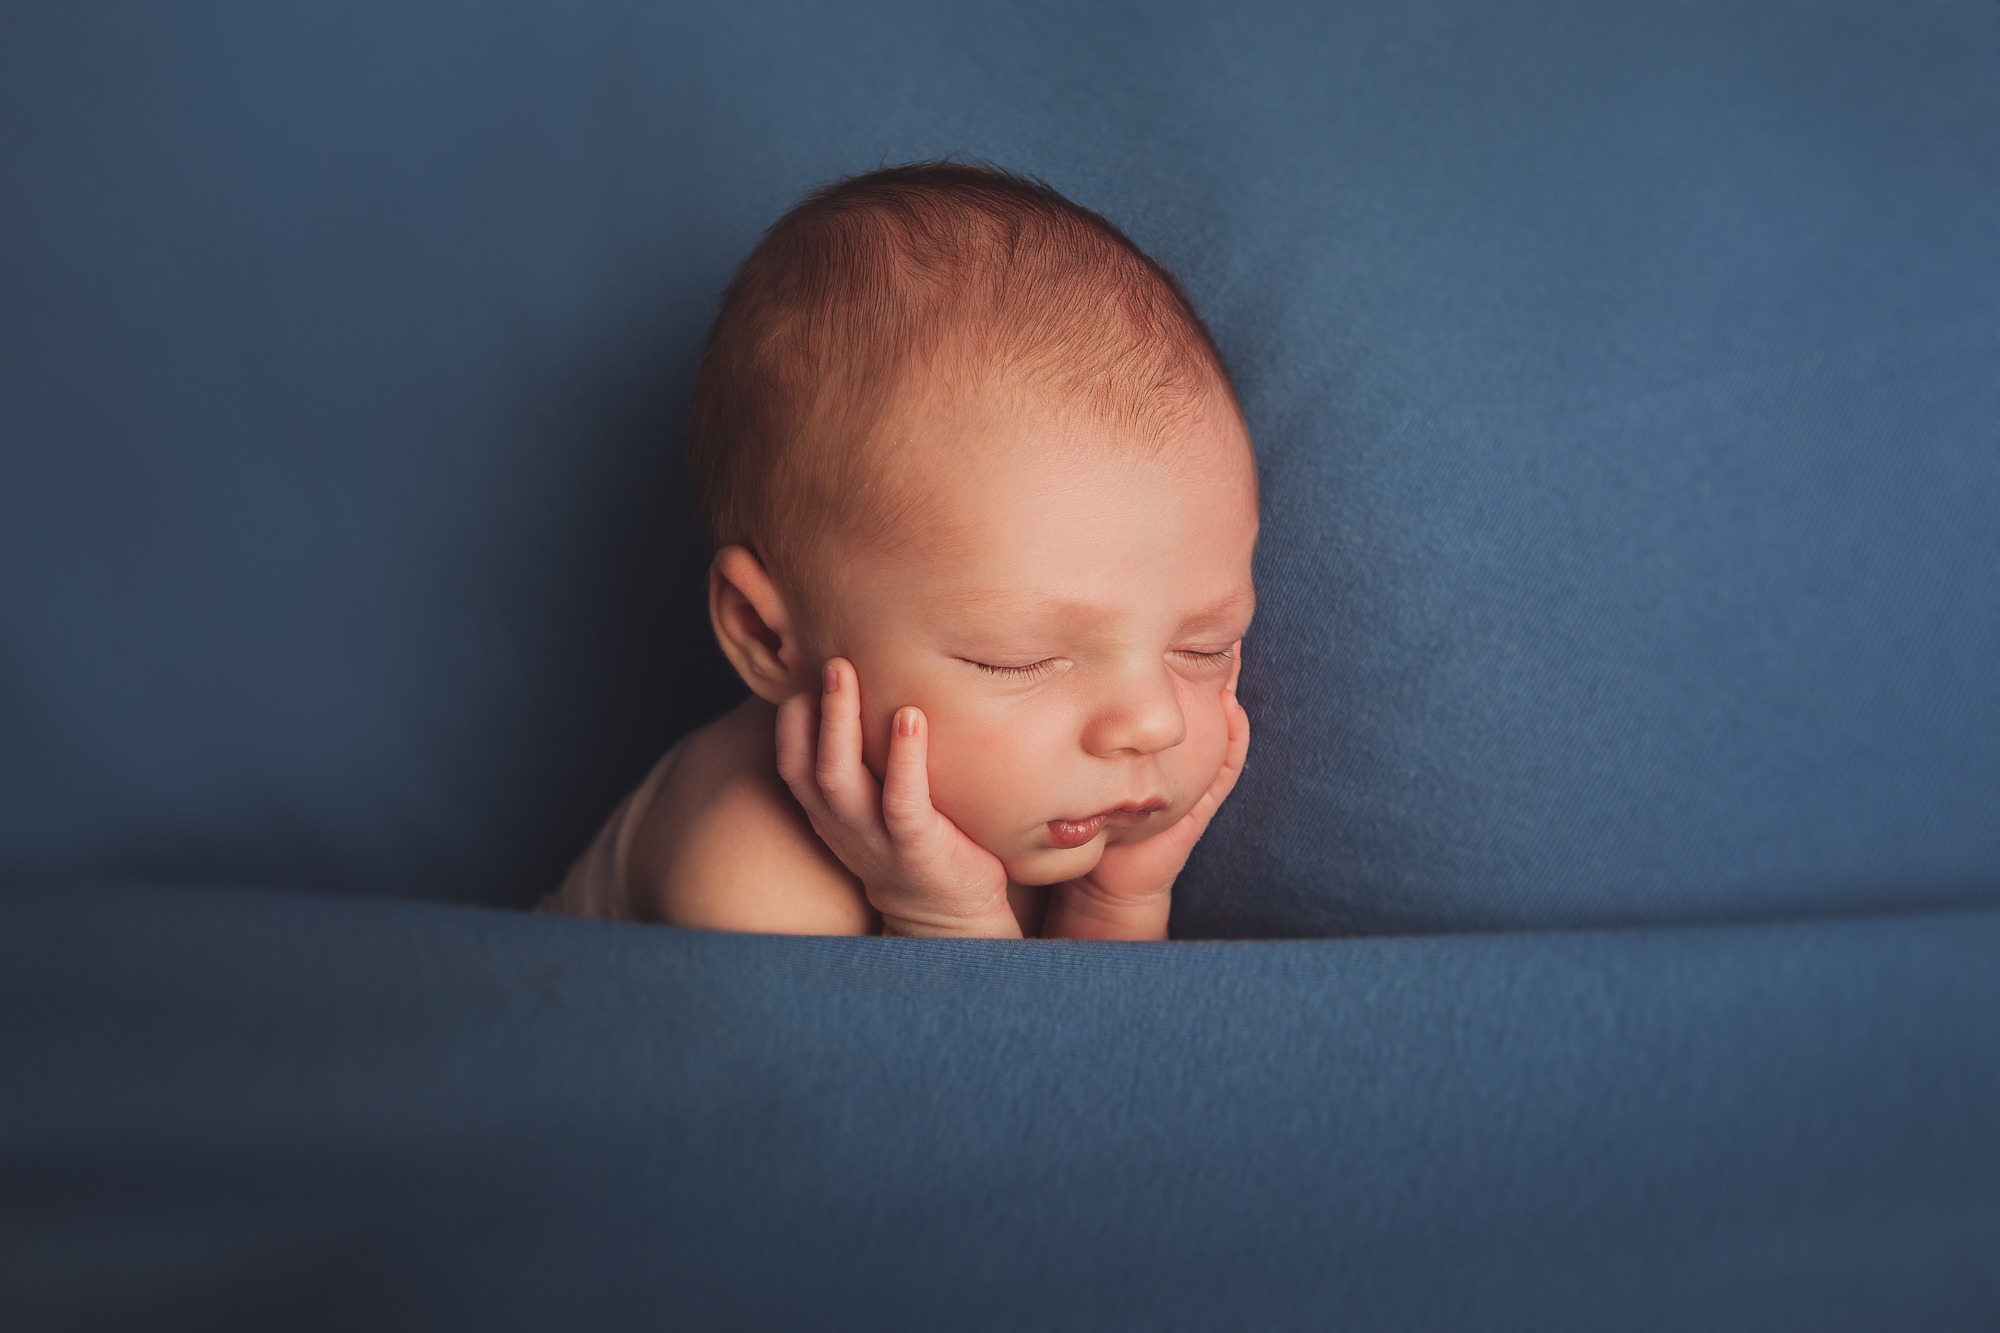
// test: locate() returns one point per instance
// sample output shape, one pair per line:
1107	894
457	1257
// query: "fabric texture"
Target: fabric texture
324	1112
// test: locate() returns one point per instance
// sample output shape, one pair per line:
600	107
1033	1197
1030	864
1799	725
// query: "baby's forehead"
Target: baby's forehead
1008	491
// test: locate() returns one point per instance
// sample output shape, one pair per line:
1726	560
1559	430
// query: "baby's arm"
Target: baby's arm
752	865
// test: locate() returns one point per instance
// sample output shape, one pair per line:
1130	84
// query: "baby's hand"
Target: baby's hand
920	871
1128	895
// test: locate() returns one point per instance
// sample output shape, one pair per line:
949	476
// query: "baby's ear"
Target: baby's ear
754	625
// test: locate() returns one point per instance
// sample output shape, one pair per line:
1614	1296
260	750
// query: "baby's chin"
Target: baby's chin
1053	865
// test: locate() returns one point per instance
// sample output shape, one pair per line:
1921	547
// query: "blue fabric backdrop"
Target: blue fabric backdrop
1624	378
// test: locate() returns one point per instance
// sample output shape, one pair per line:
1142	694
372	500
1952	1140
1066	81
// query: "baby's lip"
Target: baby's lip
1132	812
1076	832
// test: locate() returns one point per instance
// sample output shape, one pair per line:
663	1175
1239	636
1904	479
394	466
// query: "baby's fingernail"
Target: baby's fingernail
906	721
830	678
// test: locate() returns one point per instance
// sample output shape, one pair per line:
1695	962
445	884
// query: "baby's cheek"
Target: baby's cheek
981	775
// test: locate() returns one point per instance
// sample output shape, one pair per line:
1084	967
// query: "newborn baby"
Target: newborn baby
983	508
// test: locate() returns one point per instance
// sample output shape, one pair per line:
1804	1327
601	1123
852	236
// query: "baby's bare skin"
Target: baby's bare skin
723	845
924	752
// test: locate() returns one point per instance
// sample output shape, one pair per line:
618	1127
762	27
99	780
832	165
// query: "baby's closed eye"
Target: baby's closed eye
1028	671
1198	659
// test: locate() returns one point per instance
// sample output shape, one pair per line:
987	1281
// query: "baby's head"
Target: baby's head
962	432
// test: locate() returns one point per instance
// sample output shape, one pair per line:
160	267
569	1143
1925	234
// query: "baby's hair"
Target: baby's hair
930	268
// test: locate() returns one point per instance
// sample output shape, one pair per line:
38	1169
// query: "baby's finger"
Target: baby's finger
906	784
798	724
1237	752
1239	741
1232	765
849	787
1235	669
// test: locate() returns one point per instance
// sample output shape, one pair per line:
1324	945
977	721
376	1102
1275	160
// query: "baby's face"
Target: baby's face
1064	618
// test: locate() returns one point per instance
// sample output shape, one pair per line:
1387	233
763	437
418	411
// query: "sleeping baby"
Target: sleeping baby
983	508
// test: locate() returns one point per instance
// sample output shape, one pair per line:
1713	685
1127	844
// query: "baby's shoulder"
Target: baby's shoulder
722	845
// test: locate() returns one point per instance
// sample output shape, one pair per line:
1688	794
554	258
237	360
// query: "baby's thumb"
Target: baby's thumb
906	786
797	725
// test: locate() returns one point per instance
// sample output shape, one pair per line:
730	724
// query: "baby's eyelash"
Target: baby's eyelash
1032	669
1048	664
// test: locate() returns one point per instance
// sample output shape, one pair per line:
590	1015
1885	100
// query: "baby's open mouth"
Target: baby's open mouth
1076	832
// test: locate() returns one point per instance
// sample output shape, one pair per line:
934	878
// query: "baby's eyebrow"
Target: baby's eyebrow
1068	611
1028	604
1237	604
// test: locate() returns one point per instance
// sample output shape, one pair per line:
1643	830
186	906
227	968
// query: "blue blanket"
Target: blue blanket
288	1111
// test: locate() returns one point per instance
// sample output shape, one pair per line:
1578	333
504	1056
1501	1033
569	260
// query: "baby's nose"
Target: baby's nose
1137	716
